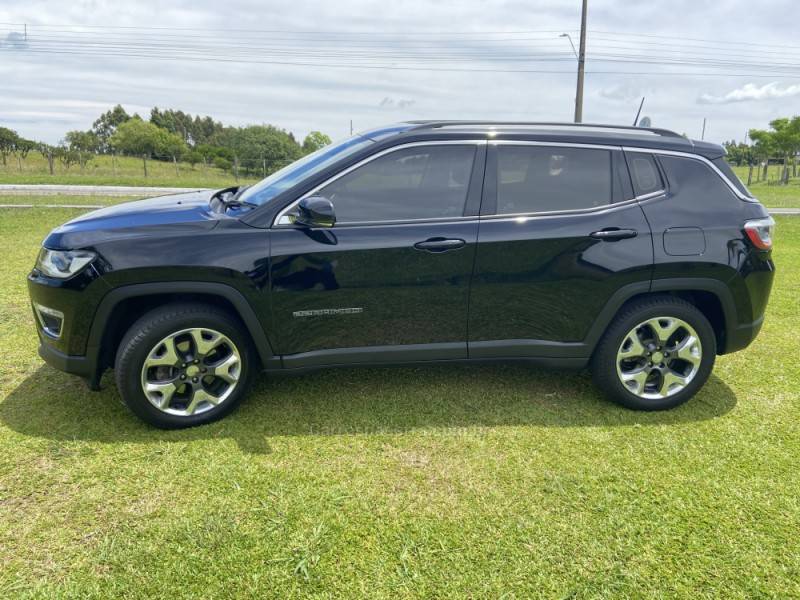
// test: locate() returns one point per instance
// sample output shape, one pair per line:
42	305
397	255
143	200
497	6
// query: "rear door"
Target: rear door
560	233
390	281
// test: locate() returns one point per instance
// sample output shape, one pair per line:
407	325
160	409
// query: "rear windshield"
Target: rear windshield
723	166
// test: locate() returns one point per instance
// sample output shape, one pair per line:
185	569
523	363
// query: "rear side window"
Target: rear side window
644	174
723	166
695	179
423	182
547	178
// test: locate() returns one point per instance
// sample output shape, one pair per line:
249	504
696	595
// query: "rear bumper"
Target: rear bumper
742	335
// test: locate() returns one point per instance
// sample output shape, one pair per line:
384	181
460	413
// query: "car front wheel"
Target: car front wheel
182	365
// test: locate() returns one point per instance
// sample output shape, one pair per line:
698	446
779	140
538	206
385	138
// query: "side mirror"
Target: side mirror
315	211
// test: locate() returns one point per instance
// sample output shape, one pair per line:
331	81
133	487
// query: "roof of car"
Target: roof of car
586	133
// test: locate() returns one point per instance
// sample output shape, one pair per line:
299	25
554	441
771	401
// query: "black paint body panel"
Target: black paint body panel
537	287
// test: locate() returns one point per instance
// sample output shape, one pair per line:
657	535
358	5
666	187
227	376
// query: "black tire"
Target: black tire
153	327
604	366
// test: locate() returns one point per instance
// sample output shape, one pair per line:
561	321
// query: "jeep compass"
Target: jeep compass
635	252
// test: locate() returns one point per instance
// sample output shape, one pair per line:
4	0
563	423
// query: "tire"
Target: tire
200	364
626	376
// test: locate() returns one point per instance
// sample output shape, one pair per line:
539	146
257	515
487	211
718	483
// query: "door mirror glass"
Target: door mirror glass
315	211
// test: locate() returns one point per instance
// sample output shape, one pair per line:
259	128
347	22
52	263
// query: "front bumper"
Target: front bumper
75	300
84	366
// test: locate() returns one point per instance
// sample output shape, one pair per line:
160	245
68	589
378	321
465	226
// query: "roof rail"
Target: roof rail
544	124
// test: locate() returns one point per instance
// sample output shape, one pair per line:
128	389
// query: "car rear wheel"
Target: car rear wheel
655	355
183	365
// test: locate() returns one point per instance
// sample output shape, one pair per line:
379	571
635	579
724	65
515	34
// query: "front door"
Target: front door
560	234
390	281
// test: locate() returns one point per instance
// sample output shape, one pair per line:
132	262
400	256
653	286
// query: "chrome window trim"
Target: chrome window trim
559	213
699	158
551	144
276	223
649	195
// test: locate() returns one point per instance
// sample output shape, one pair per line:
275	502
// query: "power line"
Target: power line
400	68
486	53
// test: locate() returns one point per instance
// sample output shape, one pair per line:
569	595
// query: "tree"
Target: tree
144	139
193	157
66	155
106	124
739	154
193	130
259	147
782	139
314	141
22	148
48	152
84	143
763	146
786	139
8	142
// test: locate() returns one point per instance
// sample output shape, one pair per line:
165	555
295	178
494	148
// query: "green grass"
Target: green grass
769	192
55	199
126	171
481	482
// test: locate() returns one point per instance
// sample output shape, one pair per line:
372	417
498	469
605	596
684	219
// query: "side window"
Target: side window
644	174
549	178
422	182
695	179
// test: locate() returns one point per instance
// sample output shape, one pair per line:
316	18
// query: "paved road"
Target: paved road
87	190
784	211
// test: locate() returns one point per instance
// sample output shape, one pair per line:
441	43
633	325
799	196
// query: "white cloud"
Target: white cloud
752	92
388	102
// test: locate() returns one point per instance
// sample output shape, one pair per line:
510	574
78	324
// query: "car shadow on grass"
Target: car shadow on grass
351	401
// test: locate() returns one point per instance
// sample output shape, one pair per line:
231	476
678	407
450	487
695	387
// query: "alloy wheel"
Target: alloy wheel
191	371
659	357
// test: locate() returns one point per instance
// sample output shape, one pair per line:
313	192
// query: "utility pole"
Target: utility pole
351	126
703	134
581	61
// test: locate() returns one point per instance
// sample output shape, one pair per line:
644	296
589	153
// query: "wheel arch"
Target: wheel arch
711	296
121	307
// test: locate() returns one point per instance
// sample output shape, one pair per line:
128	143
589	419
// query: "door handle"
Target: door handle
613	234
440	244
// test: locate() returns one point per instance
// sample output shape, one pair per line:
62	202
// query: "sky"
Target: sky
43	94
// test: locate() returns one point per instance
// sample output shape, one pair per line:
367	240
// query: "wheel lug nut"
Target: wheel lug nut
194	379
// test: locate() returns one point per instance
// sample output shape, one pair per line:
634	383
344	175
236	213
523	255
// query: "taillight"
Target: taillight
760	232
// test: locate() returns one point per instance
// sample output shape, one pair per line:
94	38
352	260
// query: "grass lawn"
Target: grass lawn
769	192
55	199
481	482
125	170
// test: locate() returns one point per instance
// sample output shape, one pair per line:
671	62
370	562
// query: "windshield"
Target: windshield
280	181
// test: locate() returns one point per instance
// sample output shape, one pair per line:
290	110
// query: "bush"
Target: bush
223	163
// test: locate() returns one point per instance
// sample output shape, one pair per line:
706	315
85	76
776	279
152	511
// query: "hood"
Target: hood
164	215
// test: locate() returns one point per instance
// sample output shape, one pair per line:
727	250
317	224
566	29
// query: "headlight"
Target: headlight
63	263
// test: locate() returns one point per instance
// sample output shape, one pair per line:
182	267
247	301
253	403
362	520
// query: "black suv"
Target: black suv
635	251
